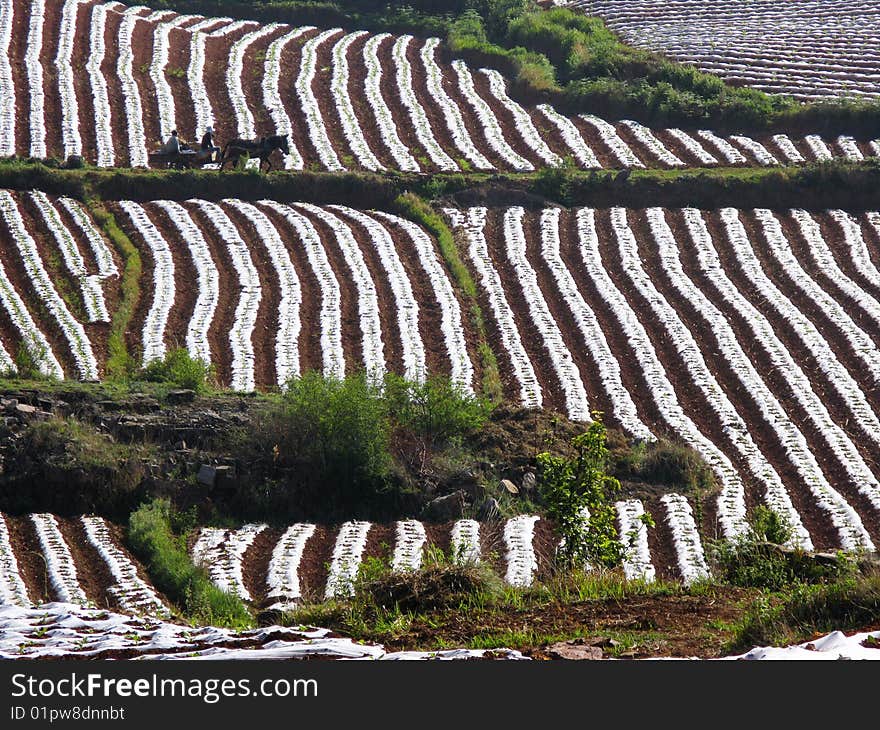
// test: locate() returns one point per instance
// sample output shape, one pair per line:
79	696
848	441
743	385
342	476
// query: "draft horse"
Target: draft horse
260	149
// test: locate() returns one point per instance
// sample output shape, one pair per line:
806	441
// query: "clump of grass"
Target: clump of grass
152	539
180	369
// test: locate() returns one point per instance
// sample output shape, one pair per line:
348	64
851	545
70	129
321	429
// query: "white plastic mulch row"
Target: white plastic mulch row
196	70
465	542
289	322
693	146
249	297
98	246
566	370
131	592
473	223
368	301
786	146
106	156
461	367
729	348
730	153
783	362
414	365
330	316
384	118
309	103
522	563
244	117
654	145
221	553
409	542
73	331
89	284
633	532
491	127
272	94
7	98
59	562
346	561
34	69
163	287
461	138
572	137
12	588
351	127
608	134
856	246
686	539
161	50
803	327
131	95
593	337
756	149
414	108
57	630
282	577
524	124
731	500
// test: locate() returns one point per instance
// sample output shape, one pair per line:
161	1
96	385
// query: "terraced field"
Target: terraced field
816	50
347	100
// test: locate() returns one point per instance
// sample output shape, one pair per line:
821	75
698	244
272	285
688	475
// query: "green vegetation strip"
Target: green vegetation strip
152	539
119	361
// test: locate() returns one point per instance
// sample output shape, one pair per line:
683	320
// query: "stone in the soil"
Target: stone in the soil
176	397
575	650
447	507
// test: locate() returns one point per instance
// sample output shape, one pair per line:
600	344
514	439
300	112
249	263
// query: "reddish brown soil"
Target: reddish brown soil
178	59
678	149
435	116
439	537
314	566
391	339
553	397
266	325
31	564
352	337
430	315
594	142
118	535
761	431
493	334
291	58
142	48
17	50
380	542
321	83
252	74
255	563
92	572
549	133
589	370
118	118
649	158
46	323
310	351
391	94
363	110
506	120
81	82
51	98
229	295
216	59
185	279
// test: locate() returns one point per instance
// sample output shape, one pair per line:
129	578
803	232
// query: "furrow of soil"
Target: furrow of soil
436	119
82	82
179	57
315	563
229	295
253	71
562	315
291	60
761	431
322	82
51	97
310	350
216	62
142	49
533	342
255	563
363	109
17	51
31	563
660	543
266	326
693	401
594	141
118	114
93	575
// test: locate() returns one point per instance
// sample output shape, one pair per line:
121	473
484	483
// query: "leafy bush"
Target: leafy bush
28	361
438	412
180	369
571	488
151	538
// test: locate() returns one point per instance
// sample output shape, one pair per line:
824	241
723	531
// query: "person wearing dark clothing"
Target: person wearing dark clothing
208	142
172	146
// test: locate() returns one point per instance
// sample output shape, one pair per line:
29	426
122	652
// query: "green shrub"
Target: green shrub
180	369
151	538
29	361
572	487
438	412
